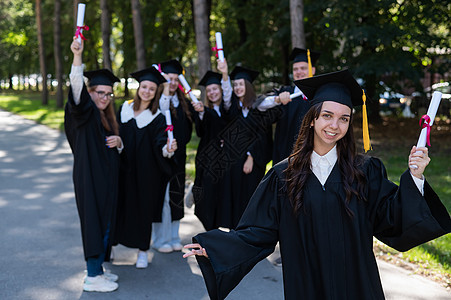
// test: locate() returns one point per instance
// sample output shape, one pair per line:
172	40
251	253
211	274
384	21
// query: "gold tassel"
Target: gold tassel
366	133
310	71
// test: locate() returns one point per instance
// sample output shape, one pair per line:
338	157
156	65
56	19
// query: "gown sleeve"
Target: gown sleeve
231	255
82	111
403	218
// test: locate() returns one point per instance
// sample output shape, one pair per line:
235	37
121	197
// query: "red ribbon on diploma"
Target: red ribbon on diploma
216	49
426	123
78	32
170	128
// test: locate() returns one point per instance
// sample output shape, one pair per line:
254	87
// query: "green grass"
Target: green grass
434	256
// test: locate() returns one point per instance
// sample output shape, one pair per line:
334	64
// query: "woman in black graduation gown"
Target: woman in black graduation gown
248	143
166	233
211	163
93	135
145	164
324	204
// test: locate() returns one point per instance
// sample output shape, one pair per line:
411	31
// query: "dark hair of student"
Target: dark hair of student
108	115
153	106
182	100
299	163
210	104
249	96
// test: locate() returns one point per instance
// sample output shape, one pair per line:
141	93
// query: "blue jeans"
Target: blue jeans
94	264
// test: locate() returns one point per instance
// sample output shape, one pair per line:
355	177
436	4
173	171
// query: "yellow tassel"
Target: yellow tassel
310	71
366	133
130	102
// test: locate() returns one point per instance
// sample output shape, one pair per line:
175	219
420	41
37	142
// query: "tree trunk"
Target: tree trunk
138	33
45	98
106	32
297	23
58	54
201	28
10	77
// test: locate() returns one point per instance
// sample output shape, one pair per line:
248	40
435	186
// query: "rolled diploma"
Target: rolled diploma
80	18
432	111
187	88
162	73
167	114
218	37
292	96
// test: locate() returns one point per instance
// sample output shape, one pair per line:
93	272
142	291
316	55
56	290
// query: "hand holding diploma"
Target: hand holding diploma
428	120
187	88
169	130
285	97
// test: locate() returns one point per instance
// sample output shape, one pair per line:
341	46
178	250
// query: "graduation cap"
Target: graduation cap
240	72
305	55
211	78
339	87
172	66
101	77
150	74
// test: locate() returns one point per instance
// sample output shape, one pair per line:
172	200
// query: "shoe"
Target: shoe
166	248
110	276
142	262
278	262
99	283
177	247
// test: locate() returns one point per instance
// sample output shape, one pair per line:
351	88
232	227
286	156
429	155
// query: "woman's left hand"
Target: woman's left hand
248	165
171	147
113	141
420	158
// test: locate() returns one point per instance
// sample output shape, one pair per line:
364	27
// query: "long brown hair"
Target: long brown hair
108	115
153	105
299	163
182	101
249	95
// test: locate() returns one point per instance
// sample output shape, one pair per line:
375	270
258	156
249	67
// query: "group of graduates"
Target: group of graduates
321	201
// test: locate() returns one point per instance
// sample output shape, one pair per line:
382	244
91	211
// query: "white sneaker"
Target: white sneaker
110	276
177	247
99	284
141	262
166	248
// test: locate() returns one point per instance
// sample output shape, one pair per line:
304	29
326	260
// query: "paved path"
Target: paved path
41	255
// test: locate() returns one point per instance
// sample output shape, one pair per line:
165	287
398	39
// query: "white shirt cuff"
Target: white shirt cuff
419	183
76	82
166	153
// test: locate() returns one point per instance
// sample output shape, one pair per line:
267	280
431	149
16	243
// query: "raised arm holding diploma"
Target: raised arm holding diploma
187	88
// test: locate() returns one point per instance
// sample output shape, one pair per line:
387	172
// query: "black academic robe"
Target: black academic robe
325	253
211	163
251	134
144	175
288	125
95	173
183	128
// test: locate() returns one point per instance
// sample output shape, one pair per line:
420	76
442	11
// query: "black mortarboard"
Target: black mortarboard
150	74
101	77
244	73
172	66
211	78
339	87
298	54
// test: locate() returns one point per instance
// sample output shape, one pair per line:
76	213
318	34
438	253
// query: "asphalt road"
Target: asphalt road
41	255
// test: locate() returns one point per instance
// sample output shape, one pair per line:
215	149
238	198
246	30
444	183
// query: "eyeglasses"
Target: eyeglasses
103	94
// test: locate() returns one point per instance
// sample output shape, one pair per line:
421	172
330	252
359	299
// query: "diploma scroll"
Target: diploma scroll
187	88
80	21
170	127
292	96
219	48
428	120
